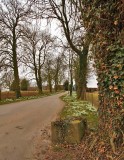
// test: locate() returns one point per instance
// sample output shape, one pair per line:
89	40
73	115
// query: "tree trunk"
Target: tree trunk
40	88
71	75
15	66
39	84
56	85
49	83
71	84
71	79
50	86
56	78
81	84
110	65
56	89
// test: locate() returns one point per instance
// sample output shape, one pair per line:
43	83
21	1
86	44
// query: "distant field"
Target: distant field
93	98
11	94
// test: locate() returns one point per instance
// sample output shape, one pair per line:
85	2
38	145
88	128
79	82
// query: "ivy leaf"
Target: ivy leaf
120	54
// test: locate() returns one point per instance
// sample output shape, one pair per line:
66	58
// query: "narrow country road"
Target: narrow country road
20	122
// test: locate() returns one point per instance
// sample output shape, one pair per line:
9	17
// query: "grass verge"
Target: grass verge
78	108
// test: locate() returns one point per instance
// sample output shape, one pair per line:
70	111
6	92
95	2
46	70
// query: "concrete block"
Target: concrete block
75	131
68	131
58	131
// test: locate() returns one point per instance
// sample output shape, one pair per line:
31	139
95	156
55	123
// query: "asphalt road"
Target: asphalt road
20	122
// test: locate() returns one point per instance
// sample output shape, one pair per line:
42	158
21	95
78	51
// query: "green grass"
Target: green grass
79	108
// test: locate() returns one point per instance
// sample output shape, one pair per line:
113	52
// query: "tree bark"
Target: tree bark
110	68
81	84
50	85
56	85
49	82
56	79
71	74
111	112
71	84
15	66
38	81
40	88
39	84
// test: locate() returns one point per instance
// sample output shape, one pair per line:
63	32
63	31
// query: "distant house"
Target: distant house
60	87
46	87
36	88
32	88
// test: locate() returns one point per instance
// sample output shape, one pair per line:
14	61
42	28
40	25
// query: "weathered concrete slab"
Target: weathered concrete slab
68	131
75	131
57	131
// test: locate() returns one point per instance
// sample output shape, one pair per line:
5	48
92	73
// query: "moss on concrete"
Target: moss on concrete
68	131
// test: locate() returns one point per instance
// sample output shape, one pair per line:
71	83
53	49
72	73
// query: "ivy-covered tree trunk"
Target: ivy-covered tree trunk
111	96
81	83
15	66
110	68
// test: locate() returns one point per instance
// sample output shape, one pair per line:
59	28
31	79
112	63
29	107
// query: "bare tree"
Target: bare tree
7	78
36	46
48	72
70	56
1	67
5	74
13	15
69	17
58	70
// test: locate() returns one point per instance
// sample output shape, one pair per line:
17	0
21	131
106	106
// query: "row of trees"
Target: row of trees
13	16
68	15
23	42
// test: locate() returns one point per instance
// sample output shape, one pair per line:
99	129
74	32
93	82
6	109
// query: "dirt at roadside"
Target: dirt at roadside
42	143
91	148
44	150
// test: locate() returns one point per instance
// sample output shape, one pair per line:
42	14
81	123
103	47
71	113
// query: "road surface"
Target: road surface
20	122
